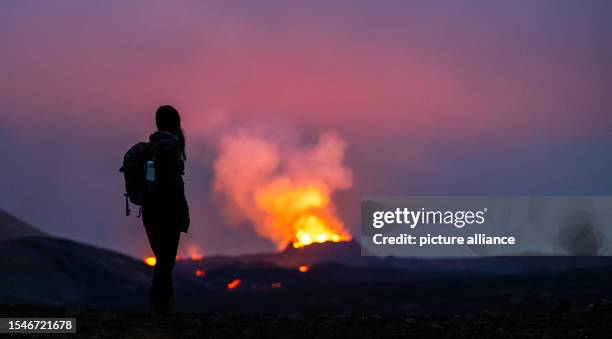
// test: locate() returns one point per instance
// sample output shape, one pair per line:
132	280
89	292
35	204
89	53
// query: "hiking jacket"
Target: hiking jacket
167	206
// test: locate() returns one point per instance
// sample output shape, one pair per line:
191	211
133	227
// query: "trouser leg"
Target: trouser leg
164	244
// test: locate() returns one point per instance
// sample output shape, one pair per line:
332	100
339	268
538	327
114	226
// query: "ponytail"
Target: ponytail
181	140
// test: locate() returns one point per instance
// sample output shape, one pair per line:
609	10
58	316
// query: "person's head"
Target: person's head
168	119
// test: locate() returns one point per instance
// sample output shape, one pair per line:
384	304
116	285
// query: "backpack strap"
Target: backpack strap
127	206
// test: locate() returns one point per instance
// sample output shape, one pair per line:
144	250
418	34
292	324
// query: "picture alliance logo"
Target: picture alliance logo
414	218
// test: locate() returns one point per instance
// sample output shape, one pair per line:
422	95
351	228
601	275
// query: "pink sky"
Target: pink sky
446	91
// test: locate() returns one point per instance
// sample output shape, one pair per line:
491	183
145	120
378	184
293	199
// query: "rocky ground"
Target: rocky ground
595	322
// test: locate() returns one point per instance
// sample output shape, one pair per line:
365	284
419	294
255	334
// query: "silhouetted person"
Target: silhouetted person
165	213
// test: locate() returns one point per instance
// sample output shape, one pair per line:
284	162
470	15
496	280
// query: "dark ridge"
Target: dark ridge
13	228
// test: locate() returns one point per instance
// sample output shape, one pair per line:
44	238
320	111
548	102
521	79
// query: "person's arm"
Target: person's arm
171	168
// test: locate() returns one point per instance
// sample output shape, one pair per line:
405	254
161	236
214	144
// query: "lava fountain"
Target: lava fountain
283	190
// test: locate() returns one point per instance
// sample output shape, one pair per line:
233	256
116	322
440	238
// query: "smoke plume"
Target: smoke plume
283	189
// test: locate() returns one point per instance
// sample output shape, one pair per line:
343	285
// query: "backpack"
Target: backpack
139	173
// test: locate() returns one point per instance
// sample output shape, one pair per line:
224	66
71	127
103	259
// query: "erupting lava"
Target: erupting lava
150	261
284	191
233	284
302	215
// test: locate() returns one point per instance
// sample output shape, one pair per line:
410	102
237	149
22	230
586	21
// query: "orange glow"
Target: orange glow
150	261
285	193
307	212
304	268
233	284
194	253
277	285
200	272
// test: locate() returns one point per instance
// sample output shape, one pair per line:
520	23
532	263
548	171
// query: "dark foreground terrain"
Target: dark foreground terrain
594	322
339	294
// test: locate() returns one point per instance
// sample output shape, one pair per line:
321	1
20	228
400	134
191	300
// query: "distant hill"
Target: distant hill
13	228
349	254
52	271
41	269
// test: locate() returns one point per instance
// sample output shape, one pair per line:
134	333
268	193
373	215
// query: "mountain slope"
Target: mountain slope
13	228
52	271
